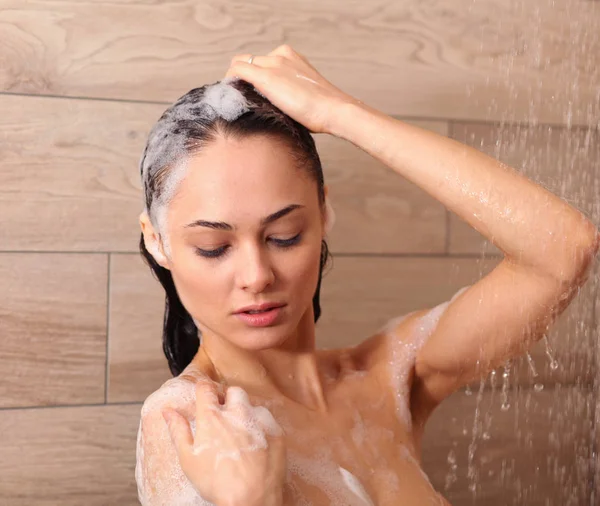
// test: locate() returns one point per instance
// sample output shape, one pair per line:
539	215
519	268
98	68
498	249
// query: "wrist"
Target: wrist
348	117
338	117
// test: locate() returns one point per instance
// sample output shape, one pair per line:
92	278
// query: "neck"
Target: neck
291	369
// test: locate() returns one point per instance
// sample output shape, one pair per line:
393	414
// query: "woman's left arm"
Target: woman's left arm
548	245
548	248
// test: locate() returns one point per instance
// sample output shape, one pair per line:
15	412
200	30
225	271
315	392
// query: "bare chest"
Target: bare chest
359	454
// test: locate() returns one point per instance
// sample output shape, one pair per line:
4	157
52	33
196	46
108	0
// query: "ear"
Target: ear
329	218
152	241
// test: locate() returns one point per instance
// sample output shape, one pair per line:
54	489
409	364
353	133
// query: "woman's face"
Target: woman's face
219	269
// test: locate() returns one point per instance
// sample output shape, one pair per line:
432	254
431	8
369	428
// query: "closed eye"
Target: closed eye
280	243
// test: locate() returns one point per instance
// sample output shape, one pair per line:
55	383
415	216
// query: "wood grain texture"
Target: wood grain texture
69	187
377	210
70	179
487	59
52	329
137	365
69	456
538	452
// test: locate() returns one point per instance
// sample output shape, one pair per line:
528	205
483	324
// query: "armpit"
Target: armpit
406	335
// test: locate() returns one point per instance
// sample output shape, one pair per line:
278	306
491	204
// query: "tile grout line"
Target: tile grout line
106	370
64	406
478	121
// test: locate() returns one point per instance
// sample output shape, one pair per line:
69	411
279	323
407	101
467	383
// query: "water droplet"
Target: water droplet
531	365
538	387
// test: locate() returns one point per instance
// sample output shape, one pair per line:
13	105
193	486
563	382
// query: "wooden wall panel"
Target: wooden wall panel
537	452
137	363
69	456
70	179
376	209
52	328
100	74
490	59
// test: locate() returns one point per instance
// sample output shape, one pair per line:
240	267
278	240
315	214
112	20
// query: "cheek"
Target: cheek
303	273
199	287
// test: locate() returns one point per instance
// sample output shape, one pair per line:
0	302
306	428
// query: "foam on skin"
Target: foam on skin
404	353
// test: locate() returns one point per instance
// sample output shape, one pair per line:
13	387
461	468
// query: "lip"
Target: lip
260	319
260	307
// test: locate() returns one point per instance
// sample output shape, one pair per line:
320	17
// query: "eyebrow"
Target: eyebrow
220	225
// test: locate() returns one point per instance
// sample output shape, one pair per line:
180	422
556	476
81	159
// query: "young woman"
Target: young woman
234	228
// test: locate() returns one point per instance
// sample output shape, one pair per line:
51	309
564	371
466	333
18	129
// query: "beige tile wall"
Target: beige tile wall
80	314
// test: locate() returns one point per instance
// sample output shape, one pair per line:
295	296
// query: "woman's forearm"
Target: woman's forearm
531	225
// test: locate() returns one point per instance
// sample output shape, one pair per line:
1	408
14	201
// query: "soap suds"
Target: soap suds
405	351
320	471
159	477
169	141
256	421
353	484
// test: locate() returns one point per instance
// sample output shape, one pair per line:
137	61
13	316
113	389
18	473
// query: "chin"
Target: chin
268	338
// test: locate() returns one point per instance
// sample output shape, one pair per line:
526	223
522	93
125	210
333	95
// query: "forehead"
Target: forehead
256	172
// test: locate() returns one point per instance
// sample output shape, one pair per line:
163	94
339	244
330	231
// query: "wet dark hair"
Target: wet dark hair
184	128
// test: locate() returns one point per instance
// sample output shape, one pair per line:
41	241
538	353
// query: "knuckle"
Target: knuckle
286	49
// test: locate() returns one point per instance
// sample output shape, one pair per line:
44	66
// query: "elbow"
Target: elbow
590	245
578	269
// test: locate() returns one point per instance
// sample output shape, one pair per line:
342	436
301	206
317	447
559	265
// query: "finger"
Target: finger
288	52
207	405
207	396
237	403
267	421
237	396
254	74
179	430
243	70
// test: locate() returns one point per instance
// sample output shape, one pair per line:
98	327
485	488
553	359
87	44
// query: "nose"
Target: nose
255	271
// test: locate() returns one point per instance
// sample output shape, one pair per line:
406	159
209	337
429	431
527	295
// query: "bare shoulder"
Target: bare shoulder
177	393
374	352
159	477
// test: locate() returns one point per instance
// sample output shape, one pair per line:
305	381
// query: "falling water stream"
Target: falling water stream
533	433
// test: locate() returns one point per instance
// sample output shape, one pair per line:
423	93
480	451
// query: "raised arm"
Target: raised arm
548	245
548	249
